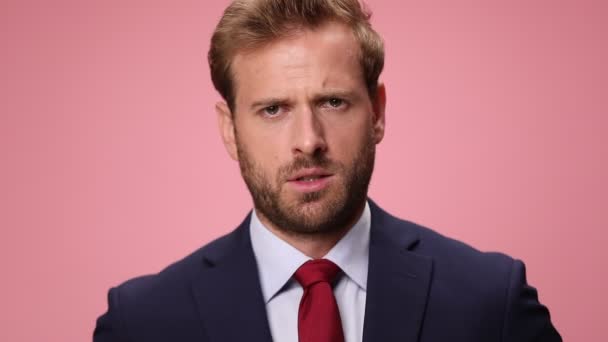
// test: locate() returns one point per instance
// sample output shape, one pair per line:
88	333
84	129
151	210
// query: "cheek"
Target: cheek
347	137
263	149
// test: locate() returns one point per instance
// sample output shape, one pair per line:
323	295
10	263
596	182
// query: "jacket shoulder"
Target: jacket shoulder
458	268
179	274
492	284
161	306
446	252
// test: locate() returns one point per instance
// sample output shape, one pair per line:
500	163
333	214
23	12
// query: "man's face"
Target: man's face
304	129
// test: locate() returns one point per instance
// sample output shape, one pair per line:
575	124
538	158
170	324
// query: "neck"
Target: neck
315	245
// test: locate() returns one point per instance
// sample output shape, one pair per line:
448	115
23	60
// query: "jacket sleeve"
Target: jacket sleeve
110	327
526	319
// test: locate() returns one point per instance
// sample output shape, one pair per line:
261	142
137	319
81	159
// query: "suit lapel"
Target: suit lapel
228	291
231	306
398	281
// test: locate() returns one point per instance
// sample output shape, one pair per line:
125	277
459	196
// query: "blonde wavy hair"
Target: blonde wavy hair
250	24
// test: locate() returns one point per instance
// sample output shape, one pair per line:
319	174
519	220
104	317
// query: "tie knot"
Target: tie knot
315	271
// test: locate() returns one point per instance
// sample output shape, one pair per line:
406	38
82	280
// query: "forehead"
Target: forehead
327	56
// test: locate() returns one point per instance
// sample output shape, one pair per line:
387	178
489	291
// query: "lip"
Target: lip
318	184
310	172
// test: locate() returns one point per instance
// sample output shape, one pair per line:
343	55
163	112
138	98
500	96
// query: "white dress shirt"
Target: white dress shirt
277	261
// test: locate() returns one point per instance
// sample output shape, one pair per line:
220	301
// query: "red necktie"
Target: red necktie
318	317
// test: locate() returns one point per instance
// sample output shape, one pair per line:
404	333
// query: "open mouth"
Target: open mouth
310	178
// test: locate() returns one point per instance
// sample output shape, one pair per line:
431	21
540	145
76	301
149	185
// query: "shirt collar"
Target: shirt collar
277	260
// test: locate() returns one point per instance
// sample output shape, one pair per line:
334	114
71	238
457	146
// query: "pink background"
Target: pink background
112	166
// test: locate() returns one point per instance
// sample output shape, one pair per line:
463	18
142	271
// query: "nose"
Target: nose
308	135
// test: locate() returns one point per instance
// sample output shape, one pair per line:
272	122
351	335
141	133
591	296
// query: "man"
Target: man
316	260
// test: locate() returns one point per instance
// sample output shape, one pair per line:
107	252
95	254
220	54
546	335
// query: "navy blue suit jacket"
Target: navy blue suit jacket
421	287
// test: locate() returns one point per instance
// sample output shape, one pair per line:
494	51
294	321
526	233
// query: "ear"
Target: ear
226	125
378	106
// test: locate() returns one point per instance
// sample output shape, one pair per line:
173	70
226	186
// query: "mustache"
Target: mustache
299	163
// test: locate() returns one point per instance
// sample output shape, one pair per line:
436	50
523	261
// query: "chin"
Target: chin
316	210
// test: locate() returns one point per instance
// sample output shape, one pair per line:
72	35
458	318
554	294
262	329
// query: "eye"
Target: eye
335	102
272	110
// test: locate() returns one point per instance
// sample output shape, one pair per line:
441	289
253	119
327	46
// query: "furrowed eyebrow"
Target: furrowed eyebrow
348	95
267	102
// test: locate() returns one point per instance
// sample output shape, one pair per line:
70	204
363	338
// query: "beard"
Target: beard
328	210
